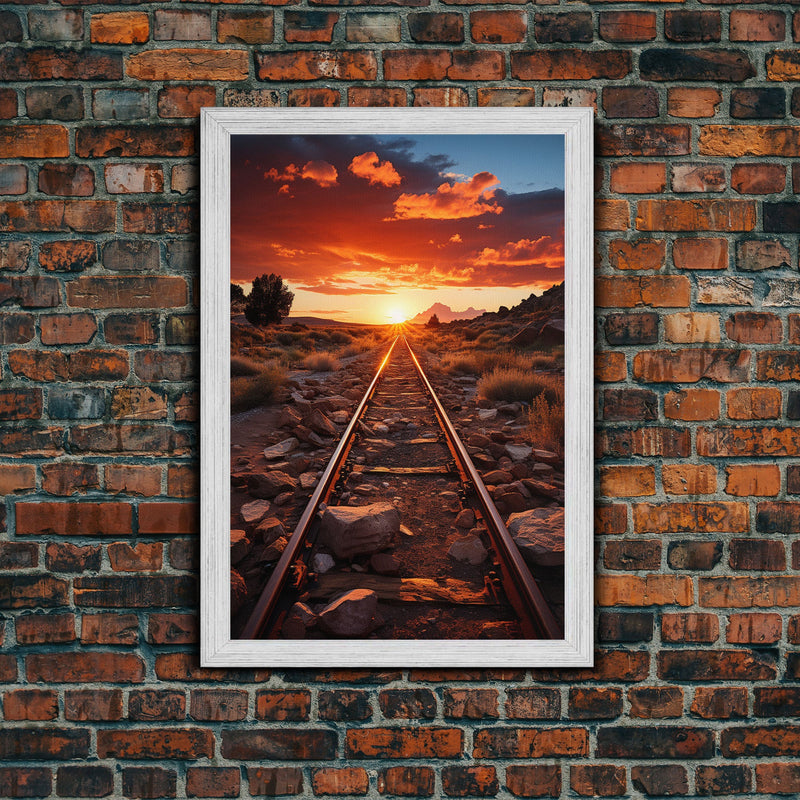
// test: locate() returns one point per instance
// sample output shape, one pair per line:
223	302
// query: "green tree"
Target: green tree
237	294
269	301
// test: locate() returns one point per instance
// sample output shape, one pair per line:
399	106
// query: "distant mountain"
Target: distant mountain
446	314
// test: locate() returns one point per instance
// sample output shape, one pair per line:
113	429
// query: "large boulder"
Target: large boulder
539	535
352	614
319	423
355	530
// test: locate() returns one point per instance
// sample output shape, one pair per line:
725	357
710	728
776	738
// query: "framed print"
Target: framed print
396	398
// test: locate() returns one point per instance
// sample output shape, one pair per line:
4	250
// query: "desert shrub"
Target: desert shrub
515	384
252	391
340	337
546	422
321	362
243	366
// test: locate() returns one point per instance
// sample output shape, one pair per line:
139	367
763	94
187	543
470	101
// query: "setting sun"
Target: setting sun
397	316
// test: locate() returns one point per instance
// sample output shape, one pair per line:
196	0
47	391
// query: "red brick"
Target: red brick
66	478
610	367
67	328
470	703
533	704
630	590
85	667
689	478
20	404
212	782
93	704
757	555
700	254
705	517
696	215
34	141
569	64
591	703
126	27
639	254
312	97
691	365
658	291
249	744
143	557
750	441
693	103
689	627
127	292
689	327
656	702
470	781
752	327
275	780
134	141
226	705
598	780
109	629
777	517
693	177
149	782
496	27
406	781
373	96
762	740
627	481
344	780
632	554
757	26
65	557
18	555
745	480
719	702
660	779
74	519
184	101
635	102
753	629
20	781
309	65
643	140
627	26
451	96
32	591
418	742
283	705
573	27
84	781
30	704
758	178
756	403
132	480
692	26
534	780
155	743
611	215
694	555
748	592
502	742
645	178
199	64
159	218
749	140
662	741
172	629
58	216
169	518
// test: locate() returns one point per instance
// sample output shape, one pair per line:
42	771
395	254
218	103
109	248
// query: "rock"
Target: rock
352	614
478	440
513	501
298	464
509	409
465	518
353	530
546	456
539	535
340	417
308	436
319	423
468	548
333	403
269	530
381	428
281	449
497	477
518	452
270	484
289	418
238	591
299	619
284	498
322	563
527	335
542	470
552	333
308	480
384	564
240	546
485	414
274	550
254	512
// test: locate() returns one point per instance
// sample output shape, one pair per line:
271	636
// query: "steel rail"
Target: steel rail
269	596
536	617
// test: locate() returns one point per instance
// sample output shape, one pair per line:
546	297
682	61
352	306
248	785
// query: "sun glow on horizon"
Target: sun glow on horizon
397	316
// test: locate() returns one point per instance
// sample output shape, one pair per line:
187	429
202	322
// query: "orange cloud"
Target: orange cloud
377	172
458	200
321	172
543	251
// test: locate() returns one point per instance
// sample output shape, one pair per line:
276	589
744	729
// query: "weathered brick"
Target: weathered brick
533	704
49	63
407	781
723	779
309	65
747	592
708	517
124	105
631	741
675	64
149	782
595	703
627	481
695	215
245	27
436	27
86	780
642	140
693	103
621	329
213	782
632	554
757	26
173	24
692	26
275	780
225	705
758	178
758	103
135	592
657	291
762	740
719	702
120	27
155	743
93	704
630	102
753	629
470	781
627	26
700	253
373	27
85	667
198	64
13	179
628	404
569	64
534	780
507	742
689	627
743	480
44	743
697	178
661	779
572	27
635	178
630	590
184	101
689	478
255	744
84	216
749	140
691	326
598	780
495	27
45	628
128	292
109	629
754	328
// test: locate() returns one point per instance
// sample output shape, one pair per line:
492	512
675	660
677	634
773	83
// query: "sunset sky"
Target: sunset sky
378	228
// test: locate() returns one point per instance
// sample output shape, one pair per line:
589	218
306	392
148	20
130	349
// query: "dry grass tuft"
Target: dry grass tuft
254	390
514	384
546	423
321	362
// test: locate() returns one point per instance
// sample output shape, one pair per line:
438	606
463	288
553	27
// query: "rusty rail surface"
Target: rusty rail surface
536	618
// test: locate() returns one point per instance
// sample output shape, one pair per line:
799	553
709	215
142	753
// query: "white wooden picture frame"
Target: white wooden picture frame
218	649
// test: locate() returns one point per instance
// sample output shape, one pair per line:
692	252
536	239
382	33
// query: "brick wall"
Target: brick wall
695	690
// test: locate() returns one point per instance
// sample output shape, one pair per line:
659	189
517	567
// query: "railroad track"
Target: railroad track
417	462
